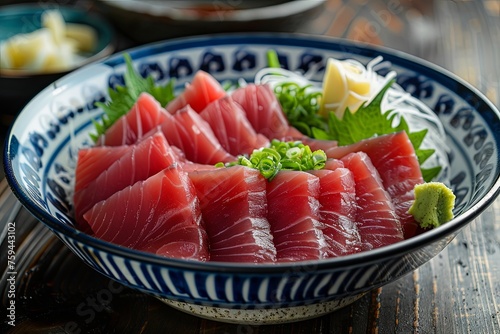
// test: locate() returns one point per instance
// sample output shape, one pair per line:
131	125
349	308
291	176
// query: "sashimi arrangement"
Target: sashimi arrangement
279	170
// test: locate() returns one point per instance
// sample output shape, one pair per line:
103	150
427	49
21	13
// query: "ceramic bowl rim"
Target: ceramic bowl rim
338	263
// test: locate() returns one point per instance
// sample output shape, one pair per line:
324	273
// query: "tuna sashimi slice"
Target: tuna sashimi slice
93	161
160	215
194	167
377	222
319	144
338	211
141	161
314	144
394	158
263	110
178	154
202	90
128	129
193	135
232	128
333	164
234	207
293	212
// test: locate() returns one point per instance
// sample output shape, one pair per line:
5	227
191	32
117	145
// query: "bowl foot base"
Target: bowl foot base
262	316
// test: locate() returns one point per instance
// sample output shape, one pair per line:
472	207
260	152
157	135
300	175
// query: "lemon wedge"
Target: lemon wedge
344	86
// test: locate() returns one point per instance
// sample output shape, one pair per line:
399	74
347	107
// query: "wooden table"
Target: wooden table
456	292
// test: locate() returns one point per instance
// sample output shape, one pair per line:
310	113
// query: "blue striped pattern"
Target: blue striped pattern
243	290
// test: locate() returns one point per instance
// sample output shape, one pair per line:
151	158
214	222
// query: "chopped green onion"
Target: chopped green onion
272	59
292	155
300	107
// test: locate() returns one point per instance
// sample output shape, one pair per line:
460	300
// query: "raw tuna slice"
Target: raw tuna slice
318	144
93	161
179	155
293	212
142	160
190	133
193	167
232	128
160	215
146	114
198	94
394	157
234	207
333	164
314	144
263	110
294	133
338	211
378	224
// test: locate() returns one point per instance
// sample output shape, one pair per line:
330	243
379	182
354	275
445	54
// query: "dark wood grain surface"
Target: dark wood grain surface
456	292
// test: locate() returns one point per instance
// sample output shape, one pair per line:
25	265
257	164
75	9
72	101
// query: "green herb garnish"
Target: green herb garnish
122	98
366	122
273	59
300	108
292	155
369	121
302	111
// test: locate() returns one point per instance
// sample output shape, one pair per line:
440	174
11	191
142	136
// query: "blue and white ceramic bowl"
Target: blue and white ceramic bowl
42	144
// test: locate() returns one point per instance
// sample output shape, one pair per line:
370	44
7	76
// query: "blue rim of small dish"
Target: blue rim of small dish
438	74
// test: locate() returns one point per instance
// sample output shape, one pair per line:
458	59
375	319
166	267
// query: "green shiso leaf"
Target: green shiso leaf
417	137
366	122
122	98
424	154
369	121
429	174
